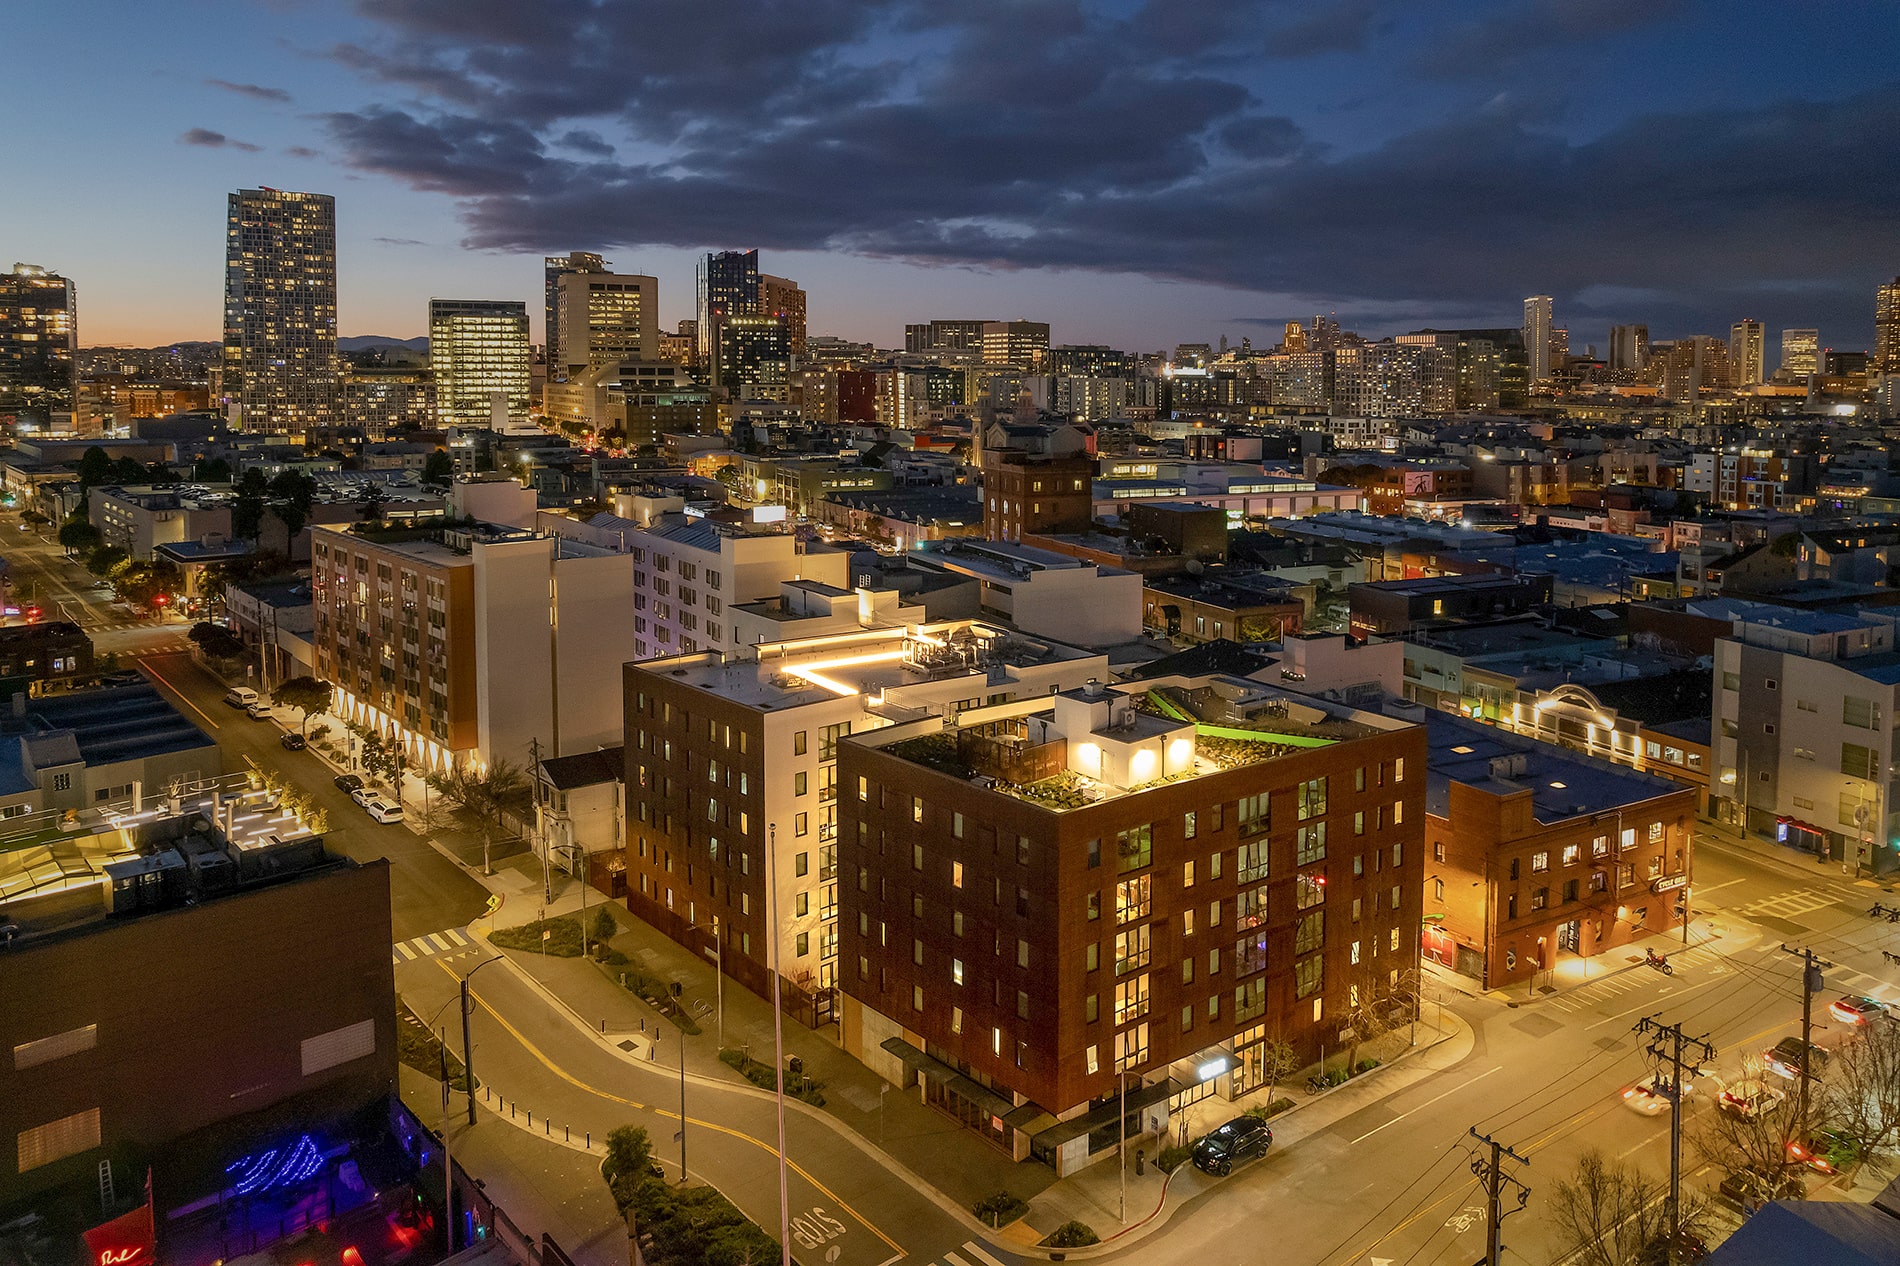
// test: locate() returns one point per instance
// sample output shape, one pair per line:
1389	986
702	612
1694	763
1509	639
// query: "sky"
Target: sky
1135	173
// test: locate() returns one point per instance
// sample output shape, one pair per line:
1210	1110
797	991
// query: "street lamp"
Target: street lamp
468	1057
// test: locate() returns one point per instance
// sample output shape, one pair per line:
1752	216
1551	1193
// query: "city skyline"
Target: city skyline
1262	170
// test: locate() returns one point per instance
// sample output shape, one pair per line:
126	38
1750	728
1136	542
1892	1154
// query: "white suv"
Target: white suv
383	810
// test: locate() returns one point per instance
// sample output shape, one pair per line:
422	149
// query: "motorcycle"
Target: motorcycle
1659	961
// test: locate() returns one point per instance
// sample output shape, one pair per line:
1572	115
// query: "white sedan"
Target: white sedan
1650	1096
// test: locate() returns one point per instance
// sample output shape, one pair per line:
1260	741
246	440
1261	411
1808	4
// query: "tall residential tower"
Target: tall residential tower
1537	335
555	267
1745	353
728	285
281	372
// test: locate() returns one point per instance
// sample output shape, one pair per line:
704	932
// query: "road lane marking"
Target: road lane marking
761	1144
976	1250
1429	1102
951	1259
145	662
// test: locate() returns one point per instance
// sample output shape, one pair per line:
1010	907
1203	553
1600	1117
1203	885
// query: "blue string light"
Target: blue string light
274	1168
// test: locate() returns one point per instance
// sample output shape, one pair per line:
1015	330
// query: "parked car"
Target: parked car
383	810
1856	1010
1241	1139
240	696
1828	1152
363	795
1650	1096
1750	1098
348	782
294	742
1788	1057
257	710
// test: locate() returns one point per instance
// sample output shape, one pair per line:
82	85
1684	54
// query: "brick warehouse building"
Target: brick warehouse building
1536	852
1037	895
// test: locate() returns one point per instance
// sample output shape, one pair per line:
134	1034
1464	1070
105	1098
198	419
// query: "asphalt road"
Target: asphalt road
1393	1182
428	892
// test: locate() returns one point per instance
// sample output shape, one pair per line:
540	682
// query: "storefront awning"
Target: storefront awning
949	1078
1138	1098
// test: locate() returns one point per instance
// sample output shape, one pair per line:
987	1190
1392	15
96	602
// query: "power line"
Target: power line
1492	1171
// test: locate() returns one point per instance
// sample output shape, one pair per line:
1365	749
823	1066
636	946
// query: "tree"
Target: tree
216	641
79	537
309	695
439	469
95	467
1279	1059
130	470
292	494
106	559
484	792
371	507
212	470
1609	1213
1755	1144
1861	1098
247	511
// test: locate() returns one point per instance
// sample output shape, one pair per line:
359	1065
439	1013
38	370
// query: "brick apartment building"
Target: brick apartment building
732	772
1537	852
1039	896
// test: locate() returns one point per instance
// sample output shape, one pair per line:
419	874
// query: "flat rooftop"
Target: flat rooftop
1563	784
866	662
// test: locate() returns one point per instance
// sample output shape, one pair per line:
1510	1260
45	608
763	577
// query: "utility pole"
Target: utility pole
1812	982
1666	1045
1492	1171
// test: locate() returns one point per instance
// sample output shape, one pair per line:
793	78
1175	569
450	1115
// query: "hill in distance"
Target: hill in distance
364	342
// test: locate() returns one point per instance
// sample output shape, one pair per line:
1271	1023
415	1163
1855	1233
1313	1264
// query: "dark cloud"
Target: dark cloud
302	151
1040	133
257	92
585	142
205	137
399	241
1341	26
1503	32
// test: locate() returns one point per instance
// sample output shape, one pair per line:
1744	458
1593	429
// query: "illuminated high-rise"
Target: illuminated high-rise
1745	353
1537	335
553	268
1887	328
604	319
1024	344
727	285
478	350
782	298
280	364
1800	353
39	336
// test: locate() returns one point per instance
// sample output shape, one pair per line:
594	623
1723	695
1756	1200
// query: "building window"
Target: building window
1309	890
1188	825
56	1140
1134	848
1573	853
1438	850
1312	798
1309	933
1308	975
1540	862
1131	899
1438	890
1252	815
1310	845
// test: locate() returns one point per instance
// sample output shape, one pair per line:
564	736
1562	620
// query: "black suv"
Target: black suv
1241	1139
1786	1058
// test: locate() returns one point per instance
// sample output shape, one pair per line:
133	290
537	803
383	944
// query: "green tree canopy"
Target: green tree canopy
106	559
79	536
439	468
309	695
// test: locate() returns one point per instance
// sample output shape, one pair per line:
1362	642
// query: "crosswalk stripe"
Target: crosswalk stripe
976	1250
406	951
455	934
436	940
951	1259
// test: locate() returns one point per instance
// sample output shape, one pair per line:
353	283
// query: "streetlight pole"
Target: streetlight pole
1121	1152
468	1052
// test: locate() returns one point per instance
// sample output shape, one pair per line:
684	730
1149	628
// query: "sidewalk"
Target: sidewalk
917	1139
1574	973
1795	862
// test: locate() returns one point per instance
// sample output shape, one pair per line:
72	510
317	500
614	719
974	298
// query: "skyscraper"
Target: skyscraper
555	267
1629	347
604	319
39	336
728	286
1887	328
1537	335
782	298
478	350
1745	352
1800	353
280	364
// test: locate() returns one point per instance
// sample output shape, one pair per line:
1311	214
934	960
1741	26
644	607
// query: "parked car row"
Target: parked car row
382	806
